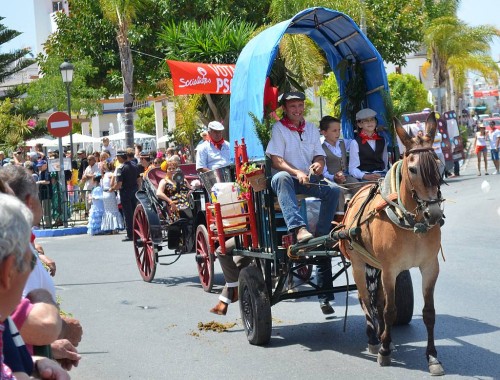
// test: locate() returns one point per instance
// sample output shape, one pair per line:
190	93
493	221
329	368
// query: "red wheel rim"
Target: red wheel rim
143	245
205	261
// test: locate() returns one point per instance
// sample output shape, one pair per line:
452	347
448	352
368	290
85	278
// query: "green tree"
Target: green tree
454	47
86	22
146	120
199	10
393	26
49	91
218	40
15	61
329	91
121	14
14	128
187	120
408	94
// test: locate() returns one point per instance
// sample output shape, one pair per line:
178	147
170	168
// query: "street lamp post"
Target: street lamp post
67	70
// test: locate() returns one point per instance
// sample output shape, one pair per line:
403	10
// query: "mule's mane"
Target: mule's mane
429	169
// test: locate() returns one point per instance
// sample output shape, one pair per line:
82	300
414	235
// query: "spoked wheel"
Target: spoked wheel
145	254
255	307
204	259
404	298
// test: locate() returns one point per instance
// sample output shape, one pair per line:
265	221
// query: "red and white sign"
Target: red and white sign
200	78
59	124
485	93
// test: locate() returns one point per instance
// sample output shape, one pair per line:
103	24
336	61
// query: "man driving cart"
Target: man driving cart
297	162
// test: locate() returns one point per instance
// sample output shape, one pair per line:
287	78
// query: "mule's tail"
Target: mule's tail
372	278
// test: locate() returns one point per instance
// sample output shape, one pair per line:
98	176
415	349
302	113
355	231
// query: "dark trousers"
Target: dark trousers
324	279
128	201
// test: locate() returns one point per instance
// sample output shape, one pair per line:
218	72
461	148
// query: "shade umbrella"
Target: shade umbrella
78	138
163	139
121	136
40	140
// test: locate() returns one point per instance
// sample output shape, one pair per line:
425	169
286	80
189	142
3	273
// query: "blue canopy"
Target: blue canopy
335	33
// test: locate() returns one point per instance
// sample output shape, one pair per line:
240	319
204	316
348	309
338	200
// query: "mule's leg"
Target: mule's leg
388	282
430	274
358	272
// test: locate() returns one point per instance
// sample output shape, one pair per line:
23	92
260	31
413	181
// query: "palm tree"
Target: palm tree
122	13
11	63
453	48
218	40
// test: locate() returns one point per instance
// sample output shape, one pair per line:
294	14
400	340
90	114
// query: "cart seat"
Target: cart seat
155	176
189	171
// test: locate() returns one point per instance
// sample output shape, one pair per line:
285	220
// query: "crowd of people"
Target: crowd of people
305	159
483	140
35	338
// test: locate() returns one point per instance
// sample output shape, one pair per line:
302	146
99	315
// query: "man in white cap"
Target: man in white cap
368	151
298	159
213	153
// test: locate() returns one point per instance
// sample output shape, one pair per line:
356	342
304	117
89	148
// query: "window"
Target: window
57	6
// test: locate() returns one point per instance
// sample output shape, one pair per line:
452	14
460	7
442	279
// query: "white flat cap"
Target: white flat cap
365	113
216	126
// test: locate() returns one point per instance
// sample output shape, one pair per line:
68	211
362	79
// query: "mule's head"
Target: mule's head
421	170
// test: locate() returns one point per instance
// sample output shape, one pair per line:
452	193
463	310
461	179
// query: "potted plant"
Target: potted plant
251	177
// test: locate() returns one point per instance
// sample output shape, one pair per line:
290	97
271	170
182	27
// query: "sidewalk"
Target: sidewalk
64	231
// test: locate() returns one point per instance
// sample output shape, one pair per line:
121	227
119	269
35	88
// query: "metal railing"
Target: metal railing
67	208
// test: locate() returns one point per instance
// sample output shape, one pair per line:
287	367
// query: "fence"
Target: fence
69	207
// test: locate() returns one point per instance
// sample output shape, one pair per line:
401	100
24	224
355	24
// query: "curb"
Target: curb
60	232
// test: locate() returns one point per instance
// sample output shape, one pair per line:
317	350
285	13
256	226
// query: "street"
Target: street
138	330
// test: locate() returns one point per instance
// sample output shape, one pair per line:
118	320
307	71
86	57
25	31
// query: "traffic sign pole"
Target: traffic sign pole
62	183
59	125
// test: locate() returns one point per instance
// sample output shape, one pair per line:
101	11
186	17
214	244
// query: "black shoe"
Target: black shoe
127	239
326	308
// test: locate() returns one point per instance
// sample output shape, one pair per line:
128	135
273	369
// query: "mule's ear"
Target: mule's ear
431	126
403	135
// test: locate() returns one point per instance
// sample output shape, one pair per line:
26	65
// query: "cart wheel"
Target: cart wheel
404	298
204	259
255	307
145	254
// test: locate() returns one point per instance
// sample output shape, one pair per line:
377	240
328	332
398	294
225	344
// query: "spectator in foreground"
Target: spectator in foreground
16	263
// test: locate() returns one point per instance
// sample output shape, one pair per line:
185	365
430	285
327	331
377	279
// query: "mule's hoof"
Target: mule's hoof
373	348
435	367
384	360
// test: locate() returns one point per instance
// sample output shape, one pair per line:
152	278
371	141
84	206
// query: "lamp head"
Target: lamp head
67	70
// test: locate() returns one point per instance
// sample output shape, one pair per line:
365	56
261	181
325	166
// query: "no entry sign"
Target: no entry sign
59	124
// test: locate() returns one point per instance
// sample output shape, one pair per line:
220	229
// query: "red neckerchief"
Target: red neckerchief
217	144
364	137
289	124
32	239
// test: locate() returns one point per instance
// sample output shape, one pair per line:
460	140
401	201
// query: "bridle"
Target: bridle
423	204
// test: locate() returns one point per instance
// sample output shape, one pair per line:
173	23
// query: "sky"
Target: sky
473	12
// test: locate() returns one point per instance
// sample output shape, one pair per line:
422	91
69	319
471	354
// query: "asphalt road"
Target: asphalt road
138	330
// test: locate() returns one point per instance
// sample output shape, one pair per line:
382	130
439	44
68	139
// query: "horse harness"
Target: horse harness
389	189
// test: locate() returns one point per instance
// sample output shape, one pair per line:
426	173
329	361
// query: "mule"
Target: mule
400	221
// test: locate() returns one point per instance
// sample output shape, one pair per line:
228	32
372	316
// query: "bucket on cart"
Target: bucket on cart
210	178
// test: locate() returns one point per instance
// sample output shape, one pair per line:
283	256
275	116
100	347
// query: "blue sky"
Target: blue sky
473	12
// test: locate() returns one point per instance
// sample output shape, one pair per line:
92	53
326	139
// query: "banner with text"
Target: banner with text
200	78
485	93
